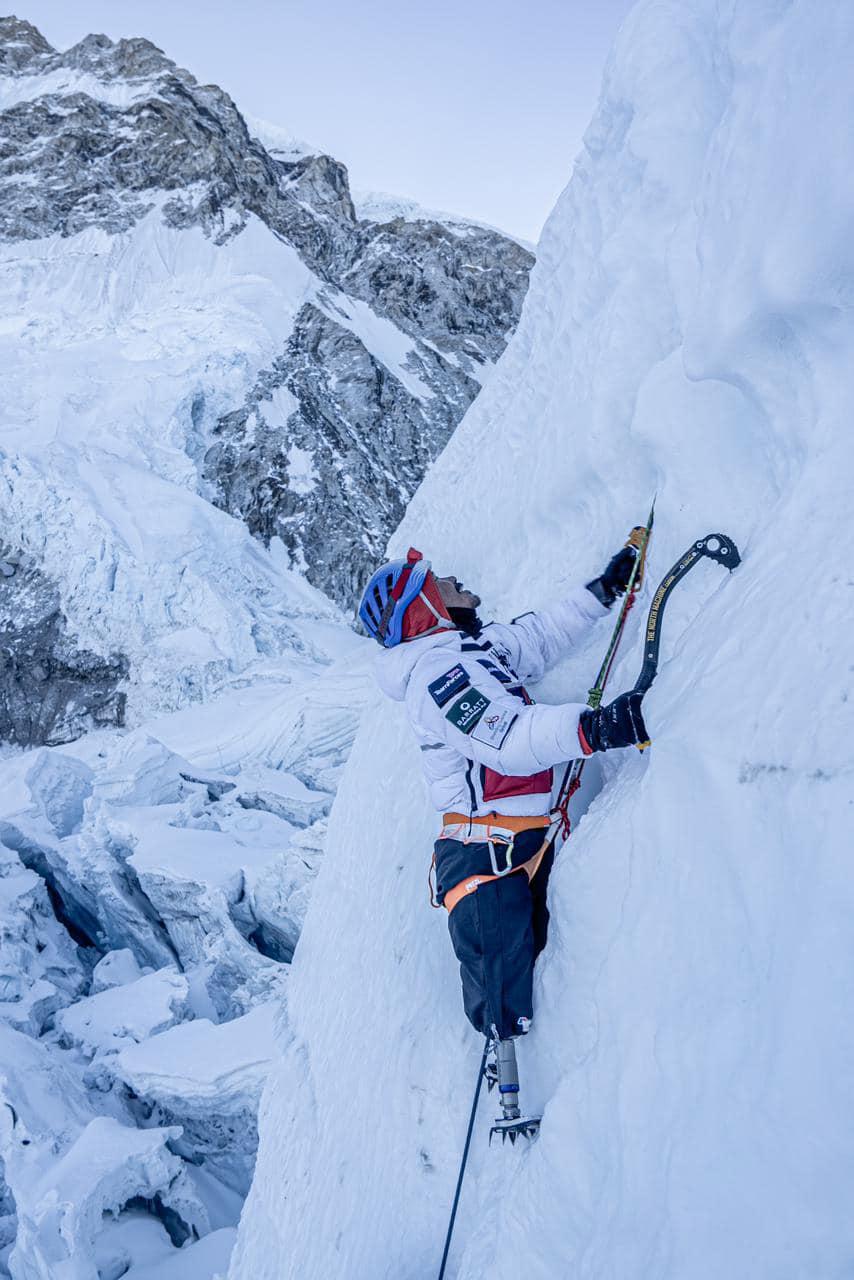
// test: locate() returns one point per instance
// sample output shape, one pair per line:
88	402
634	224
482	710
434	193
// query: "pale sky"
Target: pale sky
476	107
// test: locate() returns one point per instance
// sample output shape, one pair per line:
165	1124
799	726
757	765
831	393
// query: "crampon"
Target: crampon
523	1127
502	1070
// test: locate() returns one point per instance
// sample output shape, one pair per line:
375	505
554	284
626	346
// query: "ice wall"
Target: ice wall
688	330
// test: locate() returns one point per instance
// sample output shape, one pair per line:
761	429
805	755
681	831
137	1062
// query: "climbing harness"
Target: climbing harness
494	830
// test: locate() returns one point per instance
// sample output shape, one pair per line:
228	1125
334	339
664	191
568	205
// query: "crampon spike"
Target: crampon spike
524	1127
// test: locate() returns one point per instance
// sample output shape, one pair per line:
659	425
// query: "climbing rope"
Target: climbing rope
481	1073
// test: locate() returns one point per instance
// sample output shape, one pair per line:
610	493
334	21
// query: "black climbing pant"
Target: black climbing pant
497	932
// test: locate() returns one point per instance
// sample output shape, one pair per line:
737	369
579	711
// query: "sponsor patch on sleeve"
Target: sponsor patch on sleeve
494	727
465	713
447	686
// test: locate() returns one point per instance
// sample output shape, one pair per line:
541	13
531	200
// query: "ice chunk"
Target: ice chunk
106	1167
115	969
60	786
140	770
259	787
194	879
280	893
207	1259
208	1079
112	1019
65	1168
40	970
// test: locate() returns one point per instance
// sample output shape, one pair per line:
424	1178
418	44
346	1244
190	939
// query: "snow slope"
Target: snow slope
114	379
688	330
382	206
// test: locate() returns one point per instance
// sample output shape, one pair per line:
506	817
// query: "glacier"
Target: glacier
153	885
688	331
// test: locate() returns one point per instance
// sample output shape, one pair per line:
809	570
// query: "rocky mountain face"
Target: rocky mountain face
330	438
50	689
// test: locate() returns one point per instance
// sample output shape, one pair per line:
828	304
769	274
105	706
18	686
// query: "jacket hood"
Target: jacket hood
394	667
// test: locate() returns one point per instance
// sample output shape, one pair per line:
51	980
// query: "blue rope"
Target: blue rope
481	1073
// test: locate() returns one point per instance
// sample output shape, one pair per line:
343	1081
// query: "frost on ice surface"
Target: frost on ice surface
688	330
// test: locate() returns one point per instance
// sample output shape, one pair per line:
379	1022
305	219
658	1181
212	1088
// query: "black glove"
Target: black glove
620	724
615	579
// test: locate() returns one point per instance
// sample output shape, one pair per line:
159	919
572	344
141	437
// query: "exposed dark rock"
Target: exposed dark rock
51	690
363	441
23	49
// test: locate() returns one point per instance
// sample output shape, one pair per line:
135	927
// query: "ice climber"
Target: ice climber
487	751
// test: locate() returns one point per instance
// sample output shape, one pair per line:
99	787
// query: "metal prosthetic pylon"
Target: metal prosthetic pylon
511	1123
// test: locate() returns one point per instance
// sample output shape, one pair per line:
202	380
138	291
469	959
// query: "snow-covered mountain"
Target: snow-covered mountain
200	338
220	389
688	330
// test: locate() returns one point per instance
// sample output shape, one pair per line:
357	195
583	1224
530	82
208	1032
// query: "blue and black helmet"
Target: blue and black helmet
389	593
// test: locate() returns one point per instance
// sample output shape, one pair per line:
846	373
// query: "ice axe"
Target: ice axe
715	546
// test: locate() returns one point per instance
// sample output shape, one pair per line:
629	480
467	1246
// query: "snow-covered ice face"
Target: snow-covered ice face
454	595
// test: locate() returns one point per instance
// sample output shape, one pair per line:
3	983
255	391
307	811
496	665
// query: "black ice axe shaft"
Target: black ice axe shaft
715	546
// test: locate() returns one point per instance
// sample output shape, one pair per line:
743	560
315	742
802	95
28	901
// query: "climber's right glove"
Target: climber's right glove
620	724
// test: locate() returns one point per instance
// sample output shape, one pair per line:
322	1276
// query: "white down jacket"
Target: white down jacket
485	747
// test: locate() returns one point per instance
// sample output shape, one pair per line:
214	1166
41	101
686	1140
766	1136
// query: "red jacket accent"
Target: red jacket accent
496	786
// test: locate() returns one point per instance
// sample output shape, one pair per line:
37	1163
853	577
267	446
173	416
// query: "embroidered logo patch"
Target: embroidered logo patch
503	657
494	727
448	685
467	710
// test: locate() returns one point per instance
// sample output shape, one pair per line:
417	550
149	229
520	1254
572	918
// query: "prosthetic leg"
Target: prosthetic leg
504	1072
